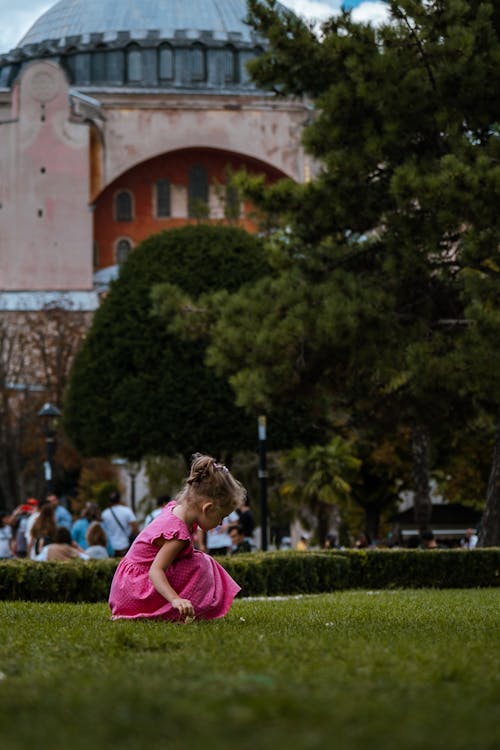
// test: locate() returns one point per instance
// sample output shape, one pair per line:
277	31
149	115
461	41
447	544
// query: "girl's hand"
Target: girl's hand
167	553
184	606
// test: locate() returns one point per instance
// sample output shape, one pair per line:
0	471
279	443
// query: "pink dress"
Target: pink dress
193	575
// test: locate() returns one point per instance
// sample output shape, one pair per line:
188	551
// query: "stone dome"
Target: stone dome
175	45
221	19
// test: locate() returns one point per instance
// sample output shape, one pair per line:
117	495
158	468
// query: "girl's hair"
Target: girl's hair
45	524
211	479
96	535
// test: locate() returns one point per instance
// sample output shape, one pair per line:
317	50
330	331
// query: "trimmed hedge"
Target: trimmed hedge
56	582
399	568
272	573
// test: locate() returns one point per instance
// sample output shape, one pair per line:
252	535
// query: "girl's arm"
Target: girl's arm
165	557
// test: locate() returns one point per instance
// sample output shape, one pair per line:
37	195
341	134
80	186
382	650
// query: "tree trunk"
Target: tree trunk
489	535
323	518
372	520
422	505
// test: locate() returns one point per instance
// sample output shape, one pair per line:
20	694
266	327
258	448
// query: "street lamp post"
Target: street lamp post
49	414
132	472
263	481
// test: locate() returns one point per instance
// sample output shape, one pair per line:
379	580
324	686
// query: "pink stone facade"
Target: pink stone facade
63	152
45	221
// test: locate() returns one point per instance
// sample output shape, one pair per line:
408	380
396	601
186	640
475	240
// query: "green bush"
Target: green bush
271	573
398	568
56	582
132	372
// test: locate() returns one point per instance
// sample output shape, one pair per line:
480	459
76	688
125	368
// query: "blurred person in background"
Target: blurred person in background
61	548
19	523
239	543
63	516
96	542
247	521
43	530
469	540
120	524
428	540
363	541
161	501
303	543
88	515
6	537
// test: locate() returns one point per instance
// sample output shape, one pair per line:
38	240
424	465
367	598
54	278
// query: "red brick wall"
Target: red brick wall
140	182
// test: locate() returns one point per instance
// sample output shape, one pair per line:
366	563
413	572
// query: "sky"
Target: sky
17	16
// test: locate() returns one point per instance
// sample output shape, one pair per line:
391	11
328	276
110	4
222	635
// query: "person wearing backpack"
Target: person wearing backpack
120	524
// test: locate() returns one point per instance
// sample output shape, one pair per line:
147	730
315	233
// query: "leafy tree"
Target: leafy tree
36	352
97	476
137	389
318	476
371	306
483	357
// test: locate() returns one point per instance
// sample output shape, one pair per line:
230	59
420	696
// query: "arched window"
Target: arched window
230	65
166	64
134	64
197	192
115	67
123	206
198	67
98	65
162	199
123	249
68	63
82	68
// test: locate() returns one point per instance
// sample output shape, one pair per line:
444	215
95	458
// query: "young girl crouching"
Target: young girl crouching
163	575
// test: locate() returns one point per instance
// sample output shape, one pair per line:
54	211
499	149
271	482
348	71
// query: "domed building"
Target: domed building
118	120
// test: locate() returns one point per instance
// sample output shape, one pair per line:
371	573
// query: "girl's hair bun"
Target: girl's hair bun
213	479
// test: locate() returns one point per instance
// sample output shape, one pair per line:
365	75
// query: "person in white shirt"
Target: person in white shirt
470	539
119	523
5	537
218	539
161	501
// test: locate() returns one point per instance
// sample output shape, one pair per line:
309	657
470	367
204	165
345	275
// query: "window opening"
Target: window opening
123	250
134	65
162	199
166	72
198	192
124	206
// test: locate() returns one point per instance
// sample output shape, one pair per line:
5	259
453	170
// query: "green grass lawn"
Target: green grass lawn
409	669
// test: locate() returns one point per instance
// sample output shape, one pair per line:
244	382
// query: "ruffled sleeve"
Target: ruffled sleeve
166	525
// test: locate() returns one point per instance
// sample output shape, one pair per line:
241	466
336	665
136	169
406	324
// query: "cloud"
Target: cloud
371	12
313	9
